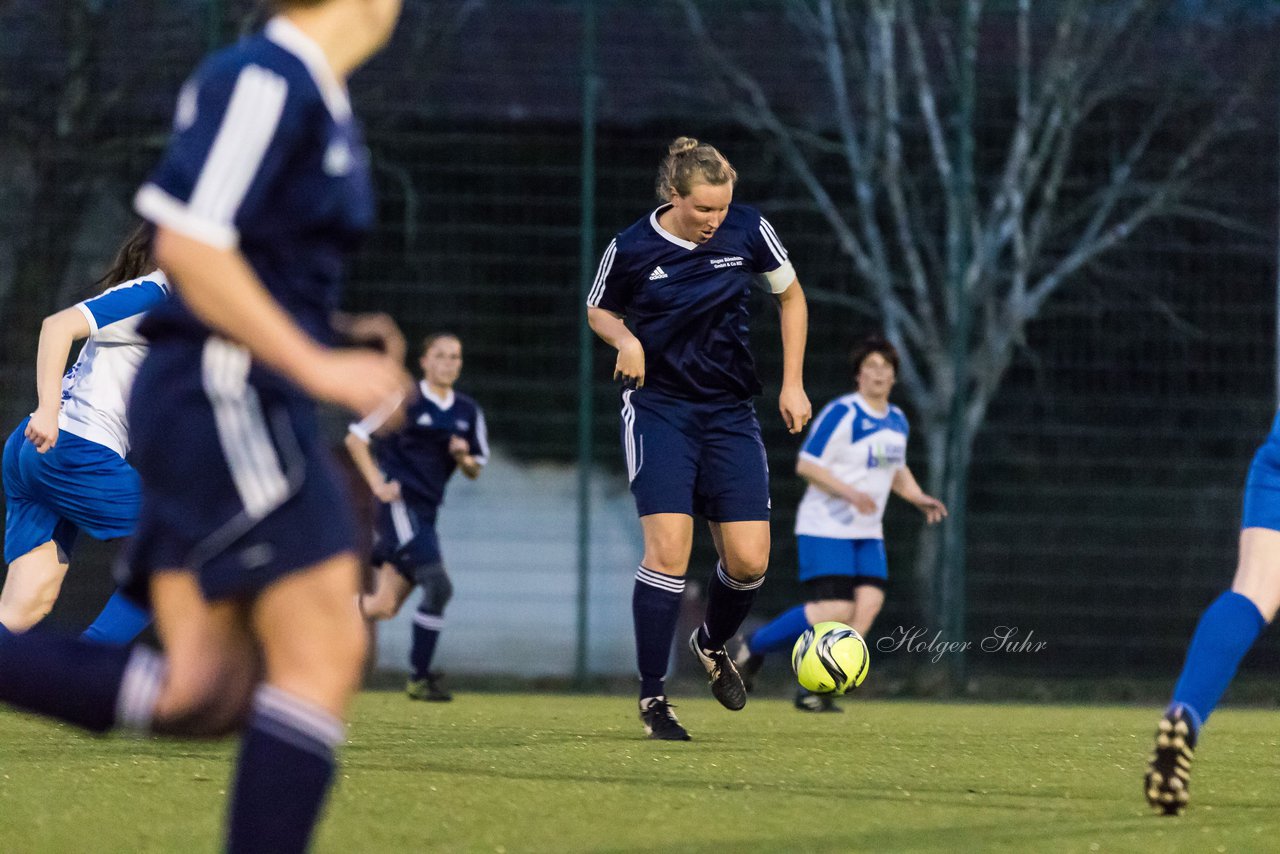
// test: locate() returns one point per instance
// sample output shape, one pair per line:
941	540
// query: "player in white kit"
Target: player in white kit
854	456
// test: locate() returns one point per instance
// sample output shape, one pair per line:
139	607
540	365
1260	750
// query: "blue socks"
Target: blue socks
426	630
1226	631
728	603
119	623
283	774
780	634
655	606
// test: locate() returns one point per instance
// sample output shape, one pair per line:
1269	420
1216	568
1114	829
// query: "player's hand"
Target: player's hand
459	447
795	407
375	328
934	510
861	502
361	381
630	365
42	429
387	491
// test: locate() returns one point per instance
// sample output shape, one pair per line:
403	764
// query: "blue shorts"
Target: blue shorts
404	536
822	556
77	485
694	458
1262	487
237	485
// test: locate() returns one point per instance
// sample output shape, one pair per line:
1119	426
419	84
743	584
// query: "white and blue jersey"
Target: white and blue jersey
95	390
417	456
266	157
687	303
862	448
83	483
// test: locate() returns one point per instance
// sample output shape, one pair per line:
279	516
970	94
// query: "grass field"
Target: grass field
544	773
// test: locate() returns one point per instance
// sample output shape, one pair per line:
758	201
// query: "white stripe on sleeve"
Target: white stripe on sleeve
250	122
602	273
482	438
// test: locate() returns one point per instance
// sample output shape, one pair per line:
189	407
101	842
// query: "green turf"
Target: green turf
543	773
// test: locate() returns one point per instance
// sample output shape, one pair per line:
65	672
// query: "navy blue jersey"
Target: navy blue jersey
687	302
265	155
417	455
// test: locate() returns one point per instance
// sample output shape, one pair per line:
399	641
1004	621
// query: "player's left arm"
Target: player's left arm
793	312
472	451
906	487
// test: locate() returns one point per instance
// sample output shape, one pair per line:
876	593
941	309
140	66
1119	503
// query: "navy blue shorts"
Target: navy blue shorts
237	485
694	458
405	536
1262	487
823	556
77	485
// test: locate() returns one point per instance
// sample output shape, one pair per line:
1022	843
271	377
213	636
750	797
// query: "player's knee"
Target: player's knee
746	568
437	588
22	616
205	700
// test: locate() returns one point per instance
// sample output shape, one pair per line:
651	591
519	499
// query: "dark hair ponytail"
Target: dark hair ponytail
133	259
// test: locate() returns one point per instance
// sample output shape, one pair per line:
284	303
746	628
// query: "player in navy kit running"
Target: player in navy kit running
65	468
444	431
245	541
671	295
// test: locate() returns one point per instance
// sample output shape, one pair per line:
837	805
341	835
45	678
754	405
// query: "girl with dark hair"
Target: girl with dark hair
855	455
671	296
65	467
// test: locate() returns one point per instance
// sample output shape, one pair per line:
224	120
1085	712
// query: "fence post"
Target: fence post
586	267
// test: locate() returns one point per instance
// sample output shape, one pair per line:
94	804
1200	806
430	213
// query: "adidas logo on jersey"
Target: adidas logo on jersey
425	419
867	424
657	274
337	158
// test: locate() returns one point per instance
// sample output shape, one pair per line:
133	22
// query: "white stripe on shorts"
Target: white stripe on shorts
242	430
400	519
633	451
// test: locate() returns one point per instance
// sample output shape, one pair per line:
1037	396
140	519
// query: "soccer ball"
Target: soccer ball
830	658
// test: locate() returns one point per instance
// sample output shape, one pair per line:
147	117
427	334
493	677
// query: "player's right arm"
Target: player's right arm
57	333
357	444
220	288
606	305
610	328
825	479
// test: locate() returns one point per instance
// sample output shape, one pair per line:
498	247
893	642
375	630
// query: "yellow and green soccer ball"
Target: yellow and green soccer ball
830	658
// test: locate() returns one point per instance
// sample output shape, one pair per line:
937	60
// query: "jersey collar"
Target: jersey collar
662	232
285	33
443	402
866	407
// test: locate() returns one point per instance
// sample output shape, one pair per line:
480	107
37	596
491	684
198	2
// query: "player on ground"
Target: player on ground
245	537
855	455
444	430
671	295
64	465
1226	631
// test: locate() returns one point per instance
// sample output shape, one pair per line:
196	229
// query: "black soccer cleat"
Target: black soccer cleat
430	689
726	684
1169	768
807	701
660	722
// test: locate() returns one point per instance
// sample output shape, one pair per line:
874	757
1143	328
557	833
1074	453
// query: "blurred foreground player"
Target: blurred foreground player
245	542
